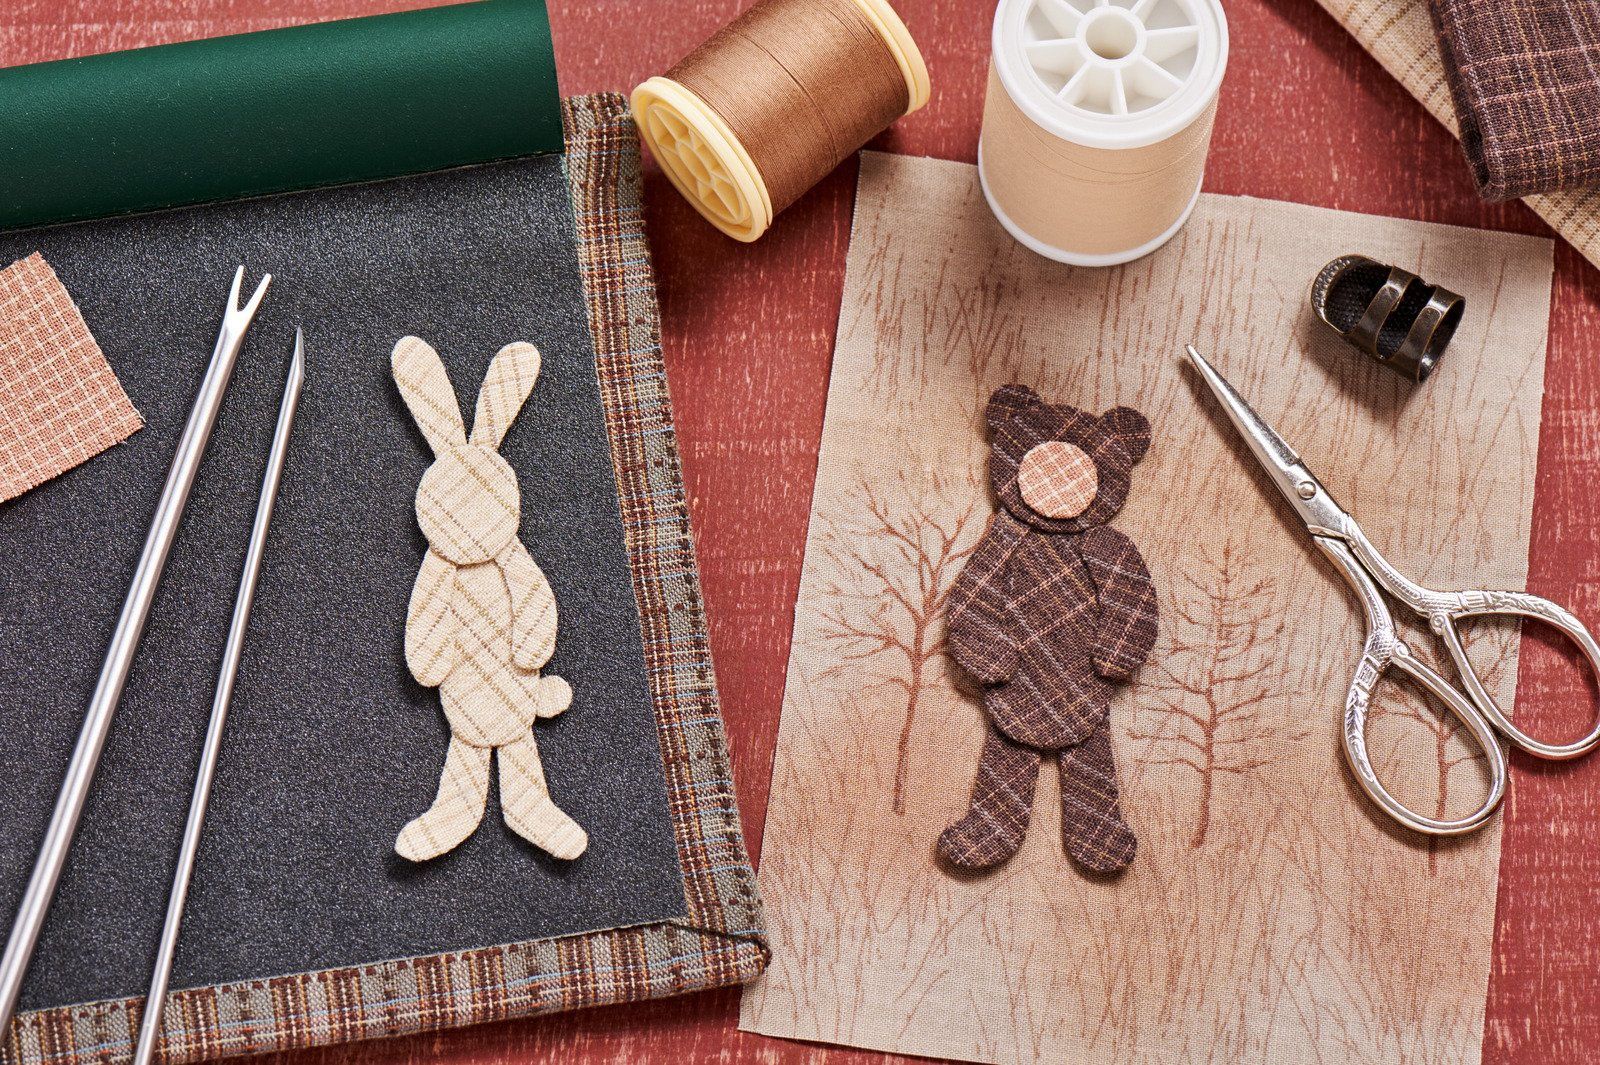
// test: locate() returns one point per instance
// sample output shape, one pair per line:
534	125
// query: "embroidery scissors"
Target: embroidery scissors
1338	536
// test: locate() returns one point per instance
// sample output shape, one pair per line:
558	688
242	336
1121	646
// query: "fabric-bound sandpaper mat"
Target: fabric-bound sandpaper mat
331	746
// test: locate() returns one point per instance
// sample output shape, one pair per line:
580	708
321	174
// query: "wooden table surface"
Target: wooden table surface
1305	115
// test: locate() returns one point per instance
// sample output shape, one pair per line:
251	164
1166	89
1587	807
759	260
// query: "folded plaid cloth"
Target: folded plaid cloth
1525	77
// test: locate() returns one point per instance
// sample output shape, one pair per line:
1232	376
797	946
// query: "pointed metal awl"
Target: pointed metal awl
150	1026
124	642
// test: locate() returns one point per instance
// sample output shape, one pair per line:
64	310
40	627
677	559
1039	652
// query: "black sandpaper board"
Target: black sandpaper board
331	746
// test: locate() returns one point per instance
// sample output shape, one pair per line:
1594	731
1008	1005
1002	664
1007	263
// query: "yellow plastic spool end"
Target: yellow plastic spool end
703	158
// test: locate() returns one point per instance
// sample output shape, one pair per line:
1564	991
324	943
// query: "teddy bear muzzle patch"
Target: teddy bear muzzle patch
1058	479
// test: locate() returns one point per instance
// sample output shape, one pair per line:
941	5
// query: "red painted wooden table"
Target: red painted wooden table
1306	116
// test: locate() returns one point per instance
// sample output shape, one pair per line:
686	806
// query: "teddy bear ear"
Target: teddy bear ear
1130	428
1007	402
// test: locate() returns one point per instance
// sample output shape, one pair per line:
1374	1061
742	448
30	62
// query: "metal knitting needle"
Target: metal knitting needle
155	1001
124	641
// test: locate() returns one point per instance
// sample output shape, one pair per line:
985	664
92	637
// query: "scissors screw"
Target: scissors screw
1306	489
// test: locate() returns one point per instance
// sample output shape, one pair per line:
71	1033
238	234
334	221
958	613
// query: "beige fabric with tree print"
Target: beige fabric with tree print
1268	916
482	619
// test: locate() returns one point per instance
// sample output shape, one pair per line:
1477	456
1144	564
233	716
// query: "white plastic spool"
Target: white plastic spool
1108	76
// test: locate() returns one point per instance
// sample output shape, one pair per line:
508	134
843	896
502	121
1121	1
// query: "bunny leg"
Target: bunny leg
1091	814
529	810
456	811
1002	802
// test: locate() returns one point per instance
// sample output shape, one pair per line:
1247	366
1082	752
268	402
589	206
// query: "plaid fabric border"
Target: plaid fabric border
60	402
722	940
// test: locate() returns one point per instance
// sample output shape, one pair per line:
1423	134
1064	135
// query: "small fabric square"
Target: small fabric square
60	403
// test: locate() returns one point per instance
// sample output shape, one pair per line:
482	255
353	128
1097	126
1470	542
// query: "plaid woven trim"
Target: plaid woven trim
60	404
624	319
722	940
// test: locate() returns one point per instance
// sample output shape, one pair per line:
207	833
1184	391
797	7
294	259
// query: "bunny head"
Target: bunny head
468	504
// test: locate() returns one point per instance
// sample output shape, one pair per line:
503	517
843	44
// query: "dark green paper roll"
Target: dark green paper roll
274	111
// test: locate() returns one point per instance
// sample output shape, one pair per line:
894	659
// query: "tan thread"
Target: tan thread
1058	479
60	402
1085	200
482	618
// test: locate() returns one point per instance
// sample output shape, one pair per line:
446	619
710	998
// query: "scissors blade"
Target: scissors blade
1297	483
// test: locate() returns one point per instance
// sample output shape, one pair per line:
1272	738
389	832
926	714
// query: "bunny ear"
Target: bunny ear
427	391
505	389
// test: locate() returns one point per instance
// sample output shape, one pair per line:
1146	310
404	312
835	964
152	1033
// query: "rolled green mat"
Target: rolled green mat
274	111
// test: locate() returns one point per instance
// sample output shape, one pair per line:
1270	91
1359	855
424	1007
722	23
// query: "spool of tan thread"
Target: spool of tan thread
1097	122
753	118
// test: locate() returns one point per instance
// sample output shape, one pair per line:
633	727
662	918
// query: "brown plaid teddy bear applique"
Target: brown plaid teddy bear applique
1053	606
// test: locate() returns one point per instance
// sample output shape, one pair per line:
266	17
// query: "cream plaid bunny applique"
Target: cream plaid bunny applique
482	618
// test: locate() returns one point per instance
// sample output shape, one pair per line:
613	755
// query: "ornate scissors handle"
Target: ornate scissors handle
1485	604
1384	649
1445	611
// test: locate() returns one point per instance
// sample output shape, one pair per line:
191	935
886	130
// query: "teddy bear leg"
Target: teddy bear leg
456	811
1002	802
1091	814
529	810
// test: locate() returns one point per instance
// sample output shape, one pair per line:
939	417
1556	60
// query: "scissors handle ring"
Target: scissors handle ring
1488	604
1385	650
1382	652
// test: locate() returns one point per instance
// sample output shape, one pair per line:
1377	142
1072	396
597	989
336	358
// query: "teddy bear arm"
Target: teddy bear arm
533	608
980	625
432	623
1126	632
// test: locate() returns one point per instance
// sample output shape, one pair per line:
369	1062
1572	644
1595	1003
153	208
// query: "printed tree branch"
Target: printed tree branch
901	550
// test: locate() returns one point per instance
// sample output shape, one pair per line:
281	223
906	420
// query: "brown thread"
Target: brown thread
802	84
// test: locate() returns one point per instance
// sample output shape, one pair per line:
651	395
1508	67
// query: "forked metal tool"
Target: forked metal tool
150	1026
1371	575
124	642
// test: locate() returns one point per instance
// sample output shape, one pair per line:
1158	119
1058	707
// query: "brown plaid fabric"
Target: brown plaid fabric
1092	827
1020	421
1002	803
1127	629
722	939
976	612
1525	77
1055	697
60	404
1045	614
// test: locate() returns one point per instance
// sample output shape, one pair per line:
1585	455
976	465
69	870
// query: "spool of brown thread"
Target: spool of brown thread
749	121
